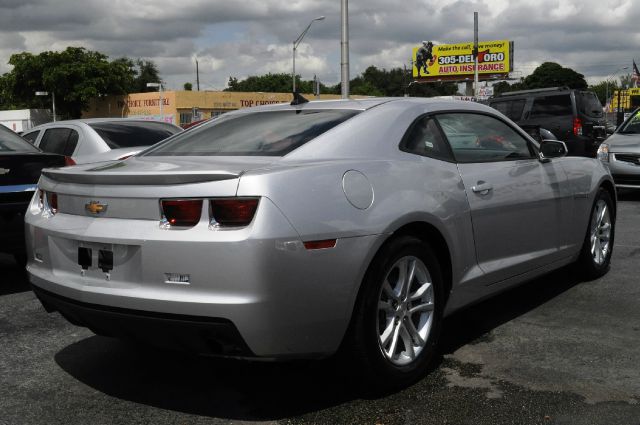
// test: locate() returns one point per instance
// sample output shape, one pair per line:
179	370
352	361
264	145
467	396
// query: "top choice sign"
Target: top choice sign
450	60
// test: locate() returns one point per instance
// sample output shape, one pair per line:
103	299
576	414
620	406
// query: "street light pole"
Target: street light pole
159	86
53	101
296	42
344	49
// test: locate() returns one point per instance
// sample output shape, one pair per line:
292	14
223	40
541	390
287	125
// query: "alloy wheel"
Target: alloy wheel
600	232
405	311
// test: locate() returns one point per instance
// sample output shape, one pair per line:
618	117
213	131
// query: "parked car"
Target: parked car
574	116
99	139
20	165
289	231
621	153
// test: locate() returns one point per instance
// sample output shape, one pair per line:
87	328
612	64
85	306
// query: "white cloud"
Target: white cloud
249	37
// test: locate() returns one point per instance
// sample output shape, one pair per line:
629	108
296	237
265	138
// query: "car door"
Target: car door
518	204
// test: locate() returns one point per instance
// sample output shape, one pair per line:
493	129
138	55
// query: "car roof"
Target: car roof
368	103
86	121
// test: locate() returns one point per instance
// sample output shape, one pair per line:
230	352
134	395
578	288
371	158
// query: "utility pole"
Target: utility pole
197	76
344	50
475	54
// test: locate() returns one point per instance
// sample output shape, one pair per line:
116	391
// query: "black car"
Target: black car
20	167
574	116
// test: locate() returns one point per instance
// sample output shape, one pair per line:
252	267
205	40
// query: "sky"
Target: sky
240	38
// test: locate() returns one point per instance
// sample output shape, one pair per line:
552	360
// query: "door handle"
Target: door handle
482	188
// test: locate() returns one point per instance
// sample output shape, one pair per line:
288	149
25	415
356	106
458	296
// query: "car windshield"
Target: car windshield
131	134
589	104
11	142
632	126
272	133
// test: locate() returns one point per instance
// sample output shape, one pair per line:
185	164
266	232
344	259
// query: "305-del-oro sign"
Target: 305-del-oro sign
455	61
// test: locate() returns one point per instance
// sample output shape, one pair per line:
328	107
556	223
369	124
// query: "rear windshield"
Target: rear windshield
588	104
11	142
273	133
130	134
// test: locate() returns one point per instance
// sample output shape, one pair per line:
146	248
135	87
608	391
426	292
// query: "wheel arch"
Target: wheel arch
611	189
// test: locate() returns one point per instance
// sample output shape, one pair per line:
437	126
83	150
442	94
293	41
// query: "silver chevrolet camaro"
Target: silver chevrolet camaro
292	231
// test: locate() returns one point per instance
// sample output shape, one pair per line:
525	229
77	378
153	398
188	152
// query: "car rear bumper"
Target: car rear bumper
284	300
212	336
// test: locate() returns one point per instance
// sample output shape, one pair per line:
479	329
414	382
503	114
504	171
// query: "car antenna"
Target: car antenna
298	99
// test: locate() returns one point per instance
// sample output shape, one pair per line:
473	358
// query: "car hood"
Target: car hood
624	143
160	170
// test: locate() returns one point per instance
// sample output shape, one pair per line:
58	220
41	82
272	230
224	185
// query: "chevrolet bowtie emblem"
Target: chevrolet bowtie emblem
95	207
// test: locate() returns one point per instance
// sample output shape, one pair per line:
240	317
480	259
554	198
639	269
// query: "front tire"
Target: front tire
398	316
595	257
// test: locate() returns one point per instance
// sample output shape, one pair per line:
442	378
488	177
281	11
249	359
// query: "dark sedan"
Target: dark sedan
20	166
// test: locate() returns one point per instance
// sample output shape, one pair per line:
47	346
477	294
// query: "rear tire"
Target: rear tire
595	257
398	315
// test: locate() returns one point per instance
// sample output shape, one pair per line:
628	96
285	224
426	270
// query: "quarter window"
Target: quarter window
424	138
482	138
62	141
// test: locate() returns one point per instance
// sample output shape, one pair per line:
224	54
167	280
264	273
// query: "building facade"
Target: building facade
183	107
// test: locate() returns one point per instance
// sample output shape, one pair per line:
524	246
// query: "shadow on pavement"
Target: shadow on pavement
628	195
13	278
244	390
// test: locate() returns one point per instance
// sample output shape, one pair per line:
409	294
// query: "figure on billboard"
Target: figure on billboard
424	57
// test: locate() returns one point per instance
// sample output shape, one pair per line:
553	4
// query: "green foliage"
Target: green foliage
551	74
372	82
74	75
188	86
273	83
604	89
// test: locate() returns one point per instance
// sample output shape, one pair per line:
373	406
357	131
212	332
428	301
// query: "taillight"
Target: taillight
232	211
181	212
69	161
52	202
577	126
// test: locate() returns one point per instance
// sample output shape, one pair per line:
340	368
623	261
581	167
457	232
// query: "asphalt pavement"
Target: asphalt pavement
554	351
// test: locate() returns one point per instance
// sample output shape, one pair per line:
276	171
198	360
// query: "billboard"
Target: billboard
456	62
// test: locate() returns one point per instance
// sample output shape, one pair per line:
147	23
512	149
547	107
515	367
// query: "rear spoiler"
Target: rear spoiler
63	175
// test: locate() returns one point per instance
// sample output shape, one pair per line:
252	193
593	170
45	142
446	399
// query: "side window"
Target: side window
62	141
424	138
72	142
31	137
510	108
551	106
482	138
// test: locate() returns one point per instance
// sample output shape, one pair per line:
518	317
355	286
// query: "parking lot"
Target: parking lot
556	350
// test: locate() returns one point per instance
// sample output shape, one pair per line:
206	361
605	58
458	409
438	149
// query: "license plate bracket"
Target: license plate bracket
105	260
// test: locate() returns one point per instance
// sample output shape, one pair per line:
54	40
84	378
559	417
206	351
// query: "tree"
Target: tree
188	86
372	82
272	83
551	74
604	89
74	75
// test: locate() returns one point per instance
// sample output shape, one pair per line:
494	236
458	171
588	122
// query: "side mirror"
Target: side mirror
552	149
